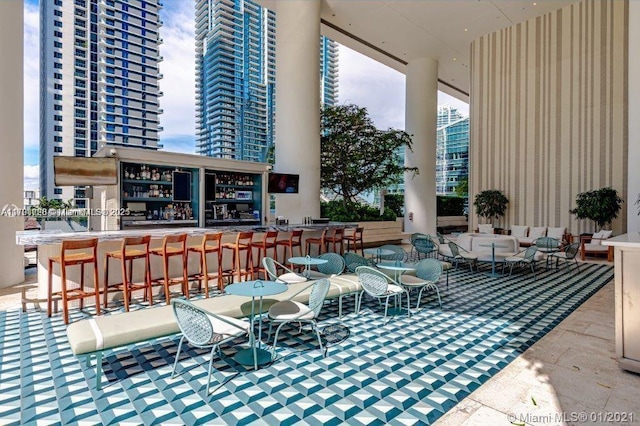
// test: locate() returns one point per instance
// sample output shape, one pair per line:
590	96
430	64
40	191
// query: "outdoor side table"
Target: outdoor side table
307	262
253	289
397	267
493	257
377	253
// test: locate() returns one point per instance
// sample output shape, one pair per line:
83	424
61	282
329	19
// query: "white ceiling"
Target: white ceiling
395	32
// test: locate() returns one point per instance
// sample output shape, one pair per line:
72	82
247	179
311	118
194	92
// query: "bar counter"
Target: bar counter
49	243
626	259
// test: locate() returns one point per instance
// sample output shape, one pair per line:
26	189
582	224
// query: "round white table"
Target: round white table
397	267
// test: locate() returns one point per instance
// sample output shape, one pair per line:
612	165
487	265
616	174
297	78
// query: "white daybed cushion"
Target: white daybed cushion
557	233
485	228
537	232
598	237
519	231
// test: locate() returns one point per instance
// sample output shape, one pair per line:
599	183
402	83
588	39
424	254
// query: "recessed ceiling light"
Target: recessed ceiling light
455	59
466	29
535	4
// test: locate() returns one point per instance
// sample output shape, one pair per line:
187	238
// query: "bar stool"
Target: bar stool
243	243
211	244
294	240
127	254
320	242
167	252
70	259
335	239
269	241
354	238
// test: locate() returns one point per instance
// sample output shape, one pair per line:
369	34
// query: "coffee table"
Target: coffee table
253	289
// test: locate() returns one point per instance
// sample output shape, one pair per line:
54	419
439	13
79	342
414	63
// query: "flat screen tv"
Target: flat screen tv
84	171
181	186
280	183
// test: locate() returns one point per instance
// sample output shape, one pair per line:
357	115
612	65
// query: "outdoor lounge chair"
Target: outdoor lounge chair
428	272
570	253
528	259
457	257
289	277
334	266
425	246
291	311
378	285
205	330
353	260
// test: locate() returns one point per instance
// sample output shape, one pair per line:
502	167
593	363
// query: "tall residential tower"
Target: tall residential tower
452	151
235	78
98	80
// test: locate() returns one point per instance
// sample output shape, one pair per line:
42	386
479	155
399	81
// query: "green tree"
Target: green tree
355	156
490	203
462	189
600	205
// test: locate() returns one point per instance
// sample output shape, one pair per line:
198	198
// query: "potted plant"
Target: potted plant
490	204
600	205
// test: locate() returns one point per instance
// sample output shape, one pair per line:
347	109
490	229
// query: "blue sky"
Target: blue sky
361	81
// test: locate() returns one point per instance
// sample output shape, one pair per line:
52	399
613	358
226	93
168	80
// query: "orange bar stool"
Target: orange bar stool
132	248
295	240
269	241
337	234
355	237
179	248
320	242
71	259
211	244
243	243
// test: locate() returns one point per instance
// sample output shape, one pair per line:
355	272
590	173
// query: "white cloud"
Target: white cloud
31	176
178	68
371	84
381	89
31	75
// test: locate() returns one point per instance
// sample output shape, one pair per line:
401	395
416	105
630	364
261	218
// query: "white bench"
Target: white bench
92	336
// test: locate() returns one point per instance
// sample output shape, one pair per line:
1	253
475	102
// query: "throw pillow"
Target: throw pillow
485	229
519	231
556	233
537	232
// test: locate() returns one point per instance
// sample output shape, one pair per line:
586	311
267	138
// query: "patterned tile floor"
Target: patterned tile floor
409	371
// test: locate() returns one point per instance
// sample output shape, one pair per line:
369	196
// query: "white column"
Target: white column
421	116
11	137
297	138
633	178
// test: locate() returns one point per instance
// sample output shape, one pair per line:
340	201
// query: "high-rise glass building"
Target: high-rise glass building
235	78
98	81
452	151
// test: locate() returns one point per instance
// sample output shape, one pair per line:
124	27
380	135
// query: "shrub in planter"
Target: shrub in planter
395	202
449	206
336	211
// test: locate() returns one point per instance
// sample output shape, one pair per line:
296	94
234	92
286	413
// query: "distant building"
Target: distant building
98	81
235	78
452	151
31	197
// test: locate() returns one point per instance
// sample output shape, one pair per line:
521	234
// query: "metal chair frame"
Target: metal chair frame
376	284
319	292
429	270
197	329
